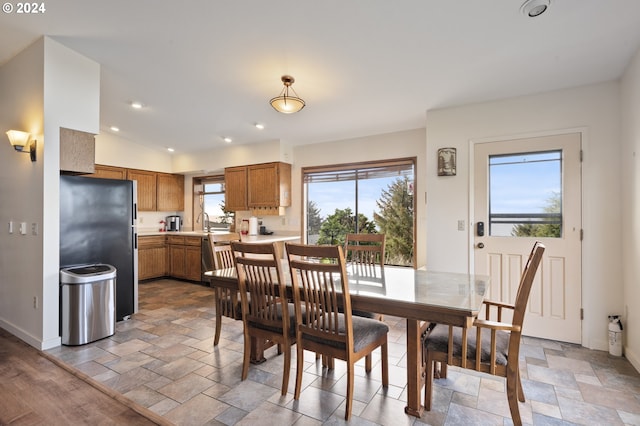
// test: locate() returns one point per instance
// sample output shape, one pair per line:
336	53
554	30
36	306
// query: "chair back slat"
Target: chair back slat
320	285
365	249
221	249
261	284
526	282
222	259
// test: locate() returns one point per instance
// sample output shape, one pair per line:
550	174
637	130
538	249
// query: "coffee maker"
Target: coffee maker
174	223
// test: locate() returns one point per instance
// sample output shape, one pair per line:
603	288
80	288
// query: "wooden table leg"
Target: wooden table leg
414	369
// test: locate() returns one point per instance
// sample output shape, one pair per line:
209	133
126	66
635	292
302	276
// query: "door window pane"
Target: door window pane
525	195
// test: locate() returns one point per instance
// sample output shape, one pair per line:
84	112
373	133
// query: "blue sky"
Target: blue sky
339	195
524	183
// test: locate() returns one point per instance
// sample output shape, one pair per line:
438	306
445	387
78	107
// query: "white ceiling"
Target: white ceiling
205	69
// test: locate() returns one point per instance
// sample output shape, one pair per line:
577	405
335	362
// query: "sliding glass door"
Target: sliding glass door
374	197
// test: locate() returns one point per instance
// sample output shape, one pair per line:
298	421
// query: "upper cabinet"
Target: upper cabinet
261	188
269	185
170	190
109	172
147	189
235	192
157	191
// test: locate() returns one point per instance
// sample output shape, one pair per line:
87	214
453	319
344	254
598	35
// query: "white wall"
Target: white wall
21	192
221	156
630	153
71	100
405	144
45	87
112	150
595	110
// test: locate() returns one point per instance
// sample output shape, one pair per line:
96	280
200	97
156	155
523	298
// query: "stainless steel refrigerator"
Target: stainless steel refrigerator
98	225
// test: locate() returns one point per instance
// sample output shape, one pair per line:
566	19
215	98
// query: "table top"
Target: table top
444	297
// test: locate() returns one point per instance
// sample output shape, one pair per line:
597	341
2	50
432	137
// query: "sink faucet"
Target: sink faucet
205	222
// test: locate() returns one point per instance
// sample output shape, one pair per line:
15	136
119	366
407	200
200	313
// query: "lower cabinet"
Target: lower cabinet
152	257
175	256
185	257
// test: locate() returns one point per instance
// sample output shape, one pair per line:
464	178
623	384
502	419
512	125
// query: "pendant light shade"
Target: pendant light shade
285	103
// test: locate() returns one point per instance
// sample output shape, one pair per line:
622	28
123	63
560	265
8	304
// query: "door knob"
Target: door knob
480	245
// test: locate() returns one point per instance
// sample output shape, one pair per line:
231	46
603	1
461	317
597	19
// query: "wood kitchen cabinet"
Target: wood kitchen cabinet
170	192
152	257
108	172
185	257
258	186
235	192
147	197
269	185
157	191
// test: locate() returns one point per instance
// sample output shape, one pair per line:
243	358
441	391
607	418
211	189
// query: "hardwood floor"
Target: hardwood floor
36	391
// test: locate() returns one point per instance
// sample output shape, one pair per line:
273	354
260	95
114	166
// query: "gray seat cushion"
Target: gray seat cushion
292	320
365	331
237	309
438	341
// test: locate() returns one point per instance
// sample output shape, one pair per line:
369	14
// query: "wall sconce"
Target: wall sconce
20	142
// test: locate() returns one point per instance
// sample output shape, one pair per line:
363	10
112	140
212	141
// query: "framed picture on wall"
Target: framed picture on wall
447	162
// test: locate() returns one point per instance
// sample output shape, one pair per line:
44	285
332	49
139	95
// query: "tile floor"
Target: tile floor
163	358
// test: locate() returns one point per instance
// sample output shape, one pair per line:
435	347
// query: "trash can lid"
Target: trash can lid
79	274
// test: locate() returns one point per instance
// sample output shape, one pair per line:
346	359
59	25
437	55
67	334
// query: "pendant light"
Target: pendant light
286	103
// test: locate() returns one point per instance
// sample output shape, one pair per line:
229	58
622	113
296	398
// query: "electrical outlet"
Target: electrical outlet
23	228
461	225
34	228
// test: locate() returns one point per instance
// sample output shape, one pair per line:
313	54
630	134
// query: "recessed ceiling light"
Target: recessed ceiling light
228	140
259	126
136	105
534	8
114	129
170	149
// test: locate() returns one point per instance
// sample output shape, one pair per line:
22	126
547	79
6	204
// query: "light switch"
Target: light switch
11	227
461	225
23	228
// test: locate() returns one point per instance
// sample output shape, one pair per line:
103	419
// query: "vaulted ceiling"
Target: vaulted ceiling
206	69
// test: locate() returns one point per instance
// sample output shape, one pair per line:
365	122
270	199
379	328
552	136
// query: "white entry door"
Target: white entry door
527	190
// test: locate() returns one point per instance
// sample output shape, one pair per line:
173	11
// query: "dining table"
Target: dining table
420	296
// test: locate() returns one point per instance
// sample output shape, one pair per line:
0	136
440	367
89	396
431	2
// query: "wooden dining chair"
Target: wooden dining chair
325	324
365	251
227	301
495	352
266	313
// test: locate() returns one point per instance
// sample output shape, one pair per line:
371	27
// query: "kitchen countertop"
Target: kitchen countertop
275	237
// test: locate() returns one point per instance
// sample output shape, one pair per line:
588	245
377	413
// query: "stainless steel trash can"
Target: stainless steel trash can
87	303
